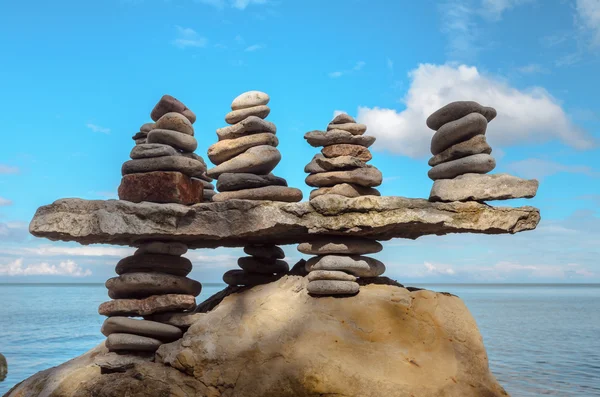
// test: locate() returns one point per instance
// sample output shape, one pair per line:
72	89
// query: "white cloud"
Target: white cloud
6	169
523	115
254	47
13	231
495	8
533	68
87	250
439	269
97	128
66	268
188	37
5	202
539	169
357	67
335	75
213	261
589	16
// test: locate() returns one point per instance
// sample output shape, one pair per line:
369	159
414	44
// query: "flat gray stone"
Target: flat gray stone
155	262
475	164
204	177
250	99
149	150
368	177
174	121
475	145
147	306
140	141
206	185
235	116
456	110
267	251
147	127
139	135
178	140
256	160
335	245
478	187
342	119
249	125
115	362
178	319
335	137
340	163
345	189
143	285
357	265
231	182
353	128
151	329
330	275
241	277
313	167
458	131
129	342
263	266
207	195
168	104
162	247
229	148
332	287
270	193
193	156
181	164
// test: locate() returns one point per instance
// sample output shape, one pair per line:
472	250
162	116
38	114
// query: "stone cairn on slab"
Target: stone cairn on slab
244	157
341	168
163	169
462	157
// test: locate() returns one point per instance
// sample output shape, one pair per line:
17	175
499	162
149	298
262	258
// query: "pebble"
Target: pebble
250	99
193	156
360	266
340	246
143	285
458	131
154	262
335	137
456	110
170	104
115	362
343	119
238	181
267	193
147	127
149	150
345	189
481	187
313	167
166	163
129	342
152	329
250	125
353	128
332	287
208	195
140	141
177	319
175	122
235	116
368	177
229	148
147	306
204	177
206	185
178	140
477	164
256	160
266	251
340	163
475	145
344	149
263	266
241	277
173	248
160	187
330	275
139	135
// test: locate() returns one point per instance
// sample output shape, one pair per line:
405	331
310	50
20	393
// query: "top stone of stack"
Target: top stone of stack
250	99
168	104
456	110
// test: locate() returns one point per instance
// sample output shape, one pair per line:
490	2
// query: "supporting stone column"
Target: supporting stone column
264	264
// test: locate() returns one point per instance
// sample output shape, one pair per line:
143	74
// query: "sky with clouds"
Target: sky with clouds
79	78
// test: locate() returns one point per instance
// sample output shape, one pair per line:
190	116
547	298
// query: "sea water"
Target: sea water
542	340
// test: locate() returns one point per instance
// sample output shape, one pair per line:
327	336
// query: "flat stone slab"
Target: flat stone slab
149	262
151	329
237	223
262	266
130	342
143	285
332	287
478	187
150	305
341	246
357	265
115	362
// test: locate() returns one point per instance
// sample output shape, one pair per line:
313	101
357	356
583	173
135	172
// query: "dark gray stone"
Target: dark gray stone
149	150
475	164
264	251
168	104
121	362
143	262
207	195
475	145
241	277
335	137
129	342
237	181
165	163
313	167
162	247
456	110
342	119
261	265
3	367
458	131
368	177
178	140
151	329
145	307
139	135
143	285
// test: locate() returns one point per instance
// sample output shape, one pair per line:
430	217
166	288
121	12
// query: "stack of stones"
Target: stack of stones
244	156
163	166
461	157
341	169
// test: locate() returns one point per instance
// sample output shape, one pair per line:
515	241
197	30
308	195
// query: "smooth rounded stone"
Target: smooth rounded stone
152	329
170	104
481	187
330	275
342	119
458	131
143	285
154	262
343	149
340	163
313	167
263	266
208	195
368	177
193	156
178	140
332	287
475	164
456	110
248	126
147	306
160	187
345	189
149	150
335	137
357	265
235	116
256	160
147	127
206	185
250	99
3	367
178	319
140	141
129	342
116	362
204	177
333	245
181	164
268	193
139	135
264	251
238	181
173	248
353	128
229	148
241	277
174	121
475	145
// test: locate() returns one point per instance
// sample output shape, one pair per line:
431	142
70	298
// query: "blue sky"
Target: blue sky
79	78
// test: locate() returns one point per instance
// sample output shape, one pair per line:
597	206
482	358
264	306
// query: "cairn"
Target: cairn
462	157
341	168
244	157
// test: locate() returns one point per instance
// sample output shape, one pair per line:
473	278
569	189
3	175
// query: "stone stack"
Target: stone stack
341	168
244	156
462	157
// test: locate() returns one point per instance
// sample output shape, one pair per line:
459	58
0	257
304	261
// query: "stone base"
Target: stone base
160	187
477	187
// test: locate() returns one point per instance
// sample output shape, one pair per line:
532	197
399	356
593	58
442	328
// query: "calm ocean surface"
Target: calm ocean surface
542	340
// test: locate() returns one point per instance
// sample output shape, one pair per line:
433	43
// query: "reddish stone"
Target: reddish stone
344	149
170	104
160	187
